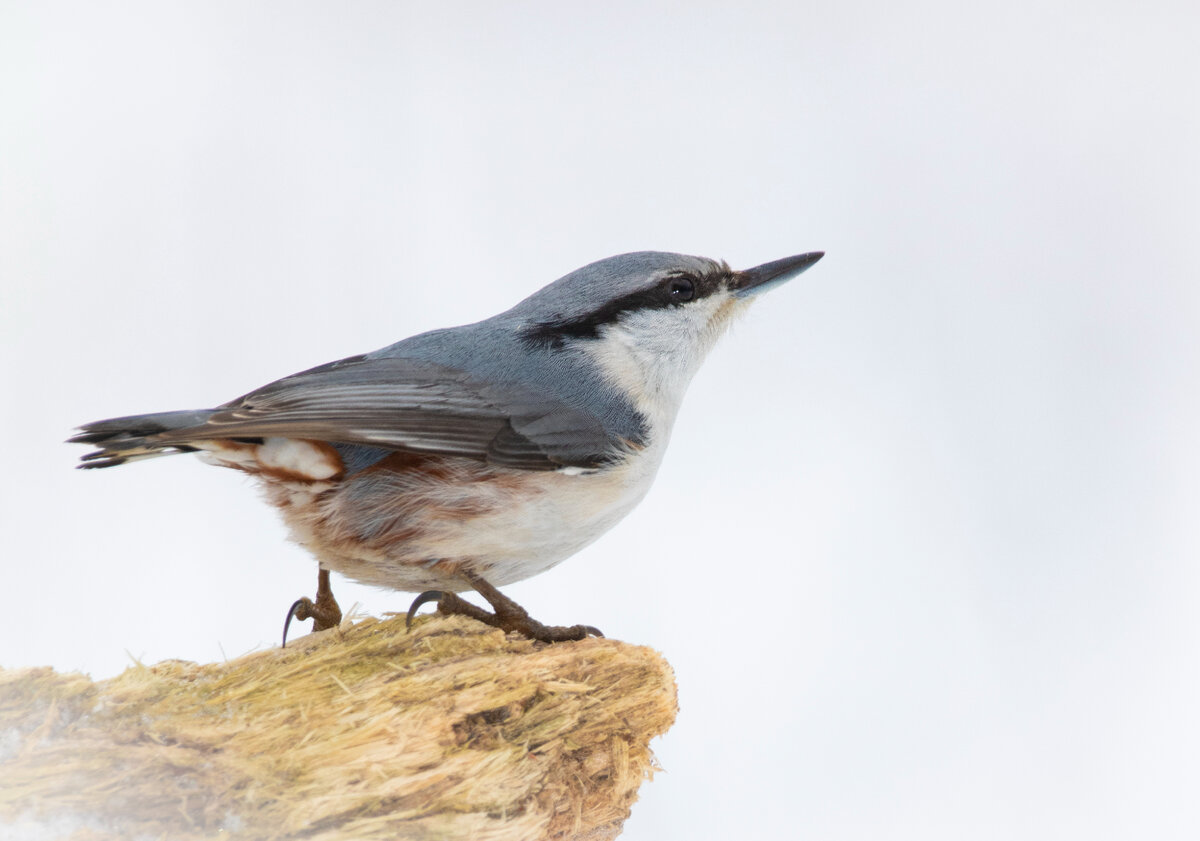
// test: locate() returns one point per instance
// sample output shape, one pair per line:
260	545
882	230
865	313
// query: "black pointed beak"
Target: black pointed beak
768	275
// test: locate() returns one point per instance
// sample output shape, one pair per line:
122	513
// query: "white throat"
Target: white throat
652	355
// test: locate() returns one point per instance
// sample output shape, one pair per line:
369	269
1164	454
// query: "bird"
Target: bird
472	457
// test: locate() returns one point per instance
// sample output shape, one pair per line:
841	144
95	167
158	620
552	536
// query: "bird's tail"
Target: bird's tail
136	437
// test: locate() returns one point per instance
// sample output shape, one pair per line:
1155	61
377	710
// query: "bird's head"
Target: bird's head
647	319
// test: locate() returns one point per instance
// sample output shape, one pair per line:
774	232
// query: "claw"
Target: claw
506	614
324	612
424	598
294	611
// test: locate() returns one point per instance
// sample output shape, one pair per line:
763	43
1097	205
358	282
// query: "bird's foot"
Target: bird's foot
507	615
324	612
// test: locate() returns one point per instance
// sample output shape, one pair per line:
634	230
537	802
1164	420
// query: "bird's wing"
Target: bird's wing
410	404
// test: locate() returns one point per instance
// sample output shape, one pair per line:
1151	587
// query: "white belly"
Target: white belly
413	532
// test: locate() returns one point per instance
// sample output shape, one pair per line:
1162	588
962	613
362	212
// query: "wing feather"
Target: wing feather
410	404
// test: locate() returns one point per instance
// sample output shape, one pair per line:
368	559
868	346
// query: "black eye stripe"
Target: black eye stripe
674	290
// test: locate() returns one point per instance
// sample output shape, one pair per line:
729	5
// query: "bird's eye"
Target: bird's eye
682	289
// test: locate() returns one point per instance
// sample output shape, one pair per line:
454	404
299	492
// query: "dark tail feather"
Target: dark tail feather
136	437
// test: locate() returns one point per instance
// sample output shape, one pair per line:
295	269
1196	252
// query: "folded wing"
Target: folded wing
393	403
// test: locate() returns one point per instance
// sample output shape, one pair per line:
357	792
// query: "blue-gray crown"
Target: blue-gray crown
578	303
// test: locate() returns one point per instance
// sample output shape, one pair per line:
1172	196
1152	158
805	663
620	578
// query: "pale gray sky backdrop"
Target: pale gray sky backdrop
924	550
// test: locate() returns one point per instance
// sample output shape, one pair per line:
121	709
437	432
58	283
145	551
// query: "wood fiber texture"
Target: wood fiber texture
362	732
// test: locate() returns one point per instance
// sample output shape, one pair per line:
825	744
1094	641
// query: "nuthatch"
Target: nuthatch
474	456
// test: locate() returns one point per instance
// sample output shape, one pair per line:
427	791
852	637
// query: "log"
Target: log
453	730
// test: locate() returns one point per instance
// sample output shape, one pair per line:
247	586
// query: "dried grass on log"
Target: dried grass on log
363	732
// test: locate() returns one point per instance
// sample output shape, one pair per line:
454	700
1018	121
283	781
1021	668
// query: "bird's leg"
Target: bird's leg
325	613
507	616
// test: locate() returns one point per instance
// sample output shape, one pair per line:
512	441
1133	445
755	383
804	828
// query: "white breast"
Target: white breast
416	529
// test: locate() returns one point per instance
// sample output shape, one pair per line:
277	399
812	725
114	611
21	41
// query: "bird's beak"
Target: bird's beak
769	275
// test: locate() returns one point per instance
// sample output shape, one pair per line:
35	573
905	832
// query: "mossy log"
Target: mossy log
451	731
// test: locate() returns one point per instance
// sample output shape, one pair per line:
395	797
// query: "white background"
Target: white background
924	550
